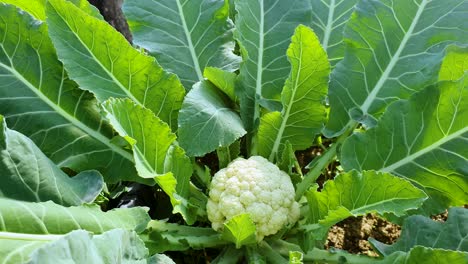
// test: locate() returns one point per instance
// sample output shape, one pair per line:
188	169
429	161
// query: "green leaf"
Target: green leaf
394	48
329	18
184	36
151	141
37	7
206	121
355	194
303	97
223	80
263	30
240	230
426	255
114	246
422	139
28	175
418	230
100	60
38	100
162	236
455	64
48	218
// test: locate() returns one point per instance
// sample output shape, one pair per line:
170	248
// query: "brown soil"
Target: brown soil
352	234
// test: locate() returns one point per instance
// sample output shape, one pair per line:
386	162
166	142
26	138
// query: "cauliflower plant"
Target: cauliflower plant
257	187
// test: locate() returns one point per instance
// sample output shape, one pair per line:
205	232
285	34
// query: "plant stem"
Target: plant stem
29	237
322	162
322	256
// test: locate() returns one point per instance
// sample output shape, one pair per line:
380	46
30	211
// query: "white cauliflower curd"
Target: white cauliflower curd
257	187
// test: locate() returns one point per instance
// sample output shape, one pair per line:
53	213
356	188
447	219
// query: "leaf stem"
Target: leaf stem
316	255
29	237
321	163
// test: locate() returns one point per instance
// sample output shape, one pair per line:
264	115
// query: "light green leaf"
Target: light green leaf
223	80
100	60
152	140
28	175
303	97
48	218
329	18
185	36
418	230
38	100
263	30
240	230
206	121
37	7
455	64
355	194
394	48
422	139
114	246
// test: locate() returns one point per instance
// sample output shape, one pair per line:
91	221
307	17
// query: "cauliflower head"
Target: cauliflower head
257	187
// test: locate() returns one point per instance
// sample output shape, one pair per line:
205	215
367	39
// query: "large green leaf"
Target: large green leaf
393	49
100	60
114	246
184	35
354	194
38	100
329	18
48	218
263	30
422	139
421	254
303	96
28	175
418	230
155	155
206	121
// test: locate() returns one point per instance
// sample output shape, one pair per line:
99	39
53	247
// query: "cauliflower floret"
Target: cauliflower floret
257	187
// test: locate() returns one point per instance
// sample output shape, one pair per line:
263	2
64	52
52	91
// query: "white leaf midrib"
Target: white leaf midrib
190	46
385	75
328	28
93	133
417	154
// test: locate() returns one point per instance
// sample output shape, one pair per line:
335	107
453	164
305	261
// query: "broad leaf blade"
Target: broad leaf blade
455	64
48	218
422	139
206	121
37	7
263	30
185	36
418	230
394	48
354	194
100	60
240	230
151	141
113	246
38	100
303	97
329	18
28	175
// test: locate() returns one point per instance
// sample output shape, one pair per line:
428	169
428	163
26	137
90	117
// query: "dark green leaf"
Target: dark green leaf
28	175
184	36
206	121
